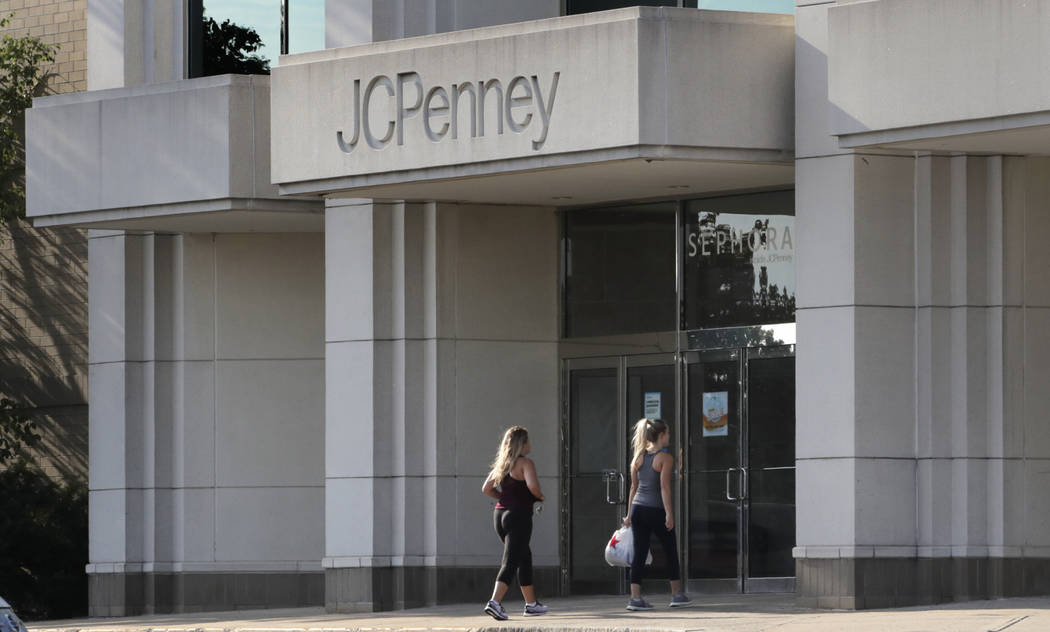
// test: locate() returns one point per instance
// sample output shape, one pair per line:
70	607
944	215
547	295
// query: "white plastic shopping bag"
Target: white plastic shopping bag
620	549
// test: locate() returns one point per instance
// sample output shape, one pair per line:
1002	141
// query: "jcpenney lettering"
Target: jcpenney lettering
518	105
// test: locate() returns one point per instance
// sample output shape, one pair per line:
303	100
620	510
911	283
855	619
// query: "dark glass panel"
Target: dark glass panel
587	6
592	418
713	520
739	265
620	271
771	450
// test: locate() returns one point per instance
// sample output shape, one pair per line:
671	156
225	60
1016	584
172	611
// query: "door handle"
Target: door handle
609	476
622	488
742	489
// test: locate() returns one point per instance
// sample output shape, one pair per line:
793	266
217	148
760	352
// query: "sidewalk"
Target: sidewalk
710	613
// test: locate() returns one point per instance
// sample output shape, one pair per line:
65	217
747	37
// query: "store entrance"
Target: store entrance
733	439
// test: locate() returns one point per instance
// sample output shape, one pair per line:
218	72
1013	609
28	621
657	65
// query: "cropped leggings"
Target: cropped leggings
514	527
646	522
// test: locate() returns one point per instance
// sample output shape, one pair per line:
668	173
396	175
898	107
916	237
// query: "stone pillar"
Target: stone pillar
375	438
206	430
441	331
921	363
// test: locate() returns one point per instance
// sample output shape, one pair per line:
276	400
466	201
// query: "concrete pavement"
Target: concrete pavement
710	613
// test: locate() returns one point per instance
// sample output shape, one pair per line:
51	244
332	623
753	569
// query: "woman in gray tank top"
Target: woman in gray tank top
651	510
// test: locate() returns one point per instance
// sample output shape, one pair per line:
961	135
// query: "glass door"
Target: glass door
713	481
740	483
770	469
593	488
604	397
651	388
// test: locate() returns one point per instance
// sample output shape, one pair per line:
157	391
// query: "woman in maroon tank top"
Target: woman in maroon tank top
513	482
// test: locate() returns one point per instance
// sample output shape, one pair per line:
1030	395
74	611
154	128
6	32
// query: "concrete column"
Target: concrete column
207	431
440	332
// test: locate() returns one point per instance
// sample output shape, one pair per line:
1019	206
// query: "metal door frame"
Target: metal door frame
621	363
757	584
743	583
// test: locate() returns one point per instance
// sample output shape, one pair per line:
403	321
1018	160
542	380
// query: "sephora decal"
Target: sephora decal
389	109
739	269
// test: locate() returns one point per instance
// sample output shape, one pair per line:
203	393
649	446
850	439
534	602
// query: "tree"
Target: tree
231	48
22	77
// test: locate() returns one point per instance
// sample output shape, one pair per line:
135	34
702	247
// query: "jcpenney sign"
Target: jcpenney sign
520	105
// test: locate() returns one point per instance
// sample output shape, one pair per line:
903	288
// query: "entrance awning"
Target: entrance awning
930	76
628	104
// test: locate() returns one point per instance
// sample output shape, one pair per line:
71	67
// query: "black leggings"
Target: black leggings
514	527
645	522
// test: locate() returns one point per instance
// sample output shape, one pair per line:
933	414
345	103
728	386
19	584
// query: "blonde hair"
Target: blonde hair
510	448
646	431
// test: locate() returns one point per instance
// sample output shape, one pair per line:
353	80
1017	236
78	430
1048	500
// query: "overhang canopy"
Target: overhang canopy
184	156
626	104
941	75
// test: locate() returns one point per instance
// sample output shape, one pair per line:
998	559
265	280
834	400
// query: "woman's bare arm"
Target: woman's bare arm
666	463
532	480
489	488
630	497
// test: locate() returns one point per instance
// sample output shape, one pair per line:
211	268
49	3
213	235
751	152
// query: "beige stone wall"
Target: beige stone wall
61	22
43	276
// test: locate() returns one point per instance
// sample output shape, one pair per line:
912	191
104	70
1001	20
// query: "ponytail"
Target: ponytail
646	431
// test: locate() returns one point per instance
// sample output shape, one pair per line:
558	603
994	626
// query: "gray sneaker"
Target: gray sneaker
639	604
535	610
681	599
495	610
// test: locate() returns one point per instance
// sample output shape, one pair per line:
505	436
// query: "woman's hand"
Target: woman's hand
627	520
669	523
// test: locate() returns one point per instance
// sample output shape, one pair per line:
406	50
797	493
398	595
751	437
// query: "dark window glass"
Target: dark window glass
587	6
739	261
620	271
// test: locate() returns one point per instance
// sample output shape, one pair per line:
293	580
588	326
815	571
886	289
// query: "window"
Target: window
620	270
739	261
244	36
757	6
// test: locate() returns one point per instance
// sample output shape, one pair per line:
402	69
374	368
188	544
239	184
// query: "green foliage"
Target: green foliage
22	77
44	547
230	49
17	432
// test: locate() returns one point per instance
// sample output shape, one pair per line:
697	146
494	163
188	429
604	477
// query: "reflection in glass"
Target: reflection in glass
305	26
739	261
620	271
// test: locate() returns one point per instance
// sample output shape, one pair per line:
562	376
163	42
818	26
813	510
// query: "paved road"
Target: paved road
733	613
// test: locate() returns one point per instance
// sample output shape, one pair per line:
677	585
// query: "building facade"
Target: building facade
809	243
43	276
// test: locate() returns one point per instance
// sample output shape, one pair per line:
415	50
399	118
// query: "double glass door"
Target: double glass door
732	419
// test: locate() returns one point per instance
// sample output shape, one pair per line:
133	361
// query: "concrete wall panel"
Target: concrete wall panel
269	422
255	524
825	353
825	504
270	296
514	249
825	223
501	384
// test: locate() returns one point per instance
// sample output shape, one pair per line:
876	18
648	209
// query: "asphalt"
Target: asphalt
729	613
